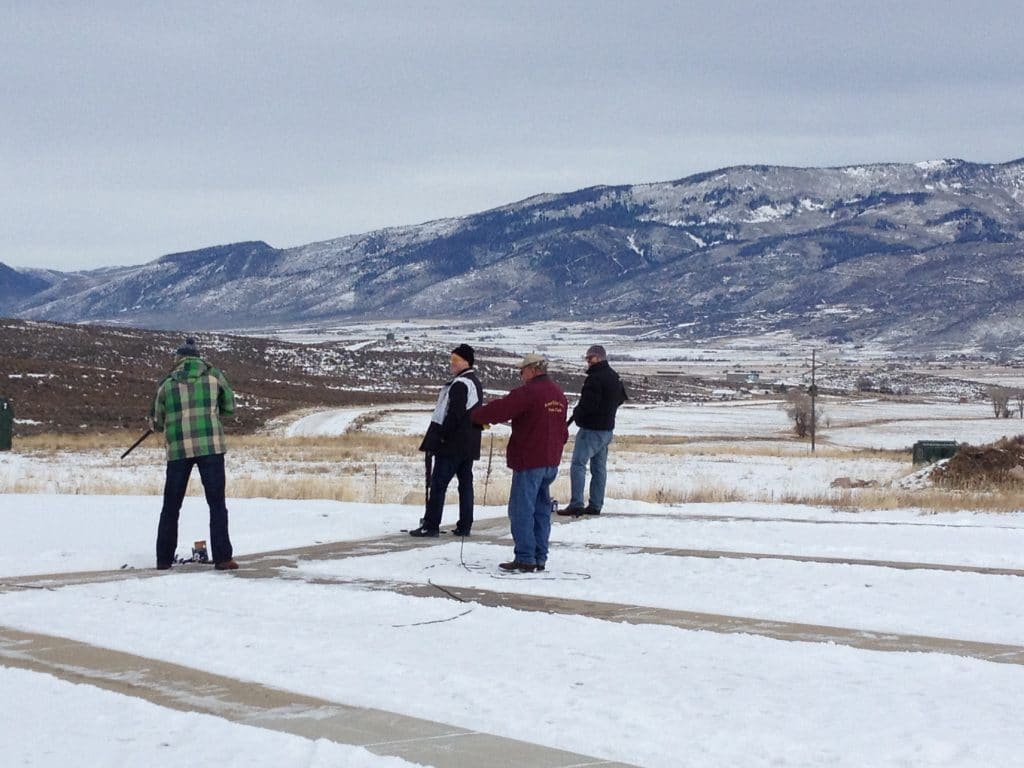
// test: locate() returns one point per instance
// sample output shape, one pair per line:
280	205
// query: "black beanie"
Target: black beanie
465	352
188	349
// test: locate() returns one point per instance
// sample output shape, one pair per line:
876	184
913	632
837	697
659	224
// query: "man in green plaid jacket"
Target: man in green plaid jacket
187	409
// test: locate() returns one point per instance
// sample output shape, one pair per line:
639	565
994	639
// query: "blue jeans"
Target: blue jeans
445	468
591	445
211	472
529	512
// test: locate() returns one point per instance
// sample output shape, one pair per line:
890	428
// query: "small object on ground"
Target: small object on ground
199	554
849	482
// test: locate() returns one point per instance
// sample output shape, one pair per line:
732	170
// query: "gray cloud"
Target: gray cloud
138	129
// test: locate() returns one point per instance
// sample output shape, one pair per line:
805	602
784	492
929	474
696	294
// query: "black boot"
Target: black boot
515	565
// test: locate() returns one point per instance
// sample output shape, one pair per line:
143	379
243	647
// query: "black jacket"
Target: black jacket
452	431
601	397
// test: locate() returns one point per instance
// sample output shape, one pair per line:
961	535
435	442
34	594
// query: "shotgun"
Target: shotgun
136	444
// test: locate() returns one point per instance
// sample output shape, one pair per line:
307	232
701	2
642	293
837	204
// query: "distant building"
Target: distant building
743	377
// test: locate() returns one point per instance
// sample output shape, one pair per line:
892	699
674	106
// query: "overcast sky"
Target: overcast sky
134	129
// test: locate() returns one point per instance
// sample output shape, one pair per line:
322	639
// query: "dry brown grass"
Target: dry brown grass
356	444
93	486
365	489
352	447
701	494
54	443
341	448
379	468
361	467
334	488
732	447
930	500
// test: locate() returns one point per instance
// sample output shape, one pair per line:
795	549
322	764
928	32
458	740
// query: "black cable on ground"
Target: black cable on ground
434	621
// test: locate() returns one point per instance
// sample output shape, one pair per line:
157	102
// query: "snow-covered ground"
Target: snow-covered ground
639	693
566	342
397	419
57	723
850	423
775	356
107	532
735	450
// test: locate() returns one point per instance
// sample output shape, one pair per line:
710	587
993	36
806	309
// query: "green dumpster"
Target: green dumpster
927	451
6	423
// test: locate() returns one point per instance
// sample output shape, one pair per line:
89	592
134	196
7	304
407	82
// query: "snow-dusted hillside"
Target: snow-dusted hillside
918	256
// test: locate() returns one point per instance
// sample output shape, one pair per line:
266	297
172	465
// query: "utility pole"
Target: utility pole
814	393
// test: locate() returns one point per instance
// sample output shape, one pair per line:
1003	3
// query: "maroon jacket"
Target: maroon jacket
537	410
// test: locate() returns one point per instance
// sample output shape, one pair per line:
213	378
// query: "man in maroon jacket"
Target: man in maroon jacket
537	411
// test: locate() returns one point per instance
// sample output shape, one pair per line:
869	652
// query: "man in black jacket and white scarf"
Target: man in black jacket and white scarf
453	440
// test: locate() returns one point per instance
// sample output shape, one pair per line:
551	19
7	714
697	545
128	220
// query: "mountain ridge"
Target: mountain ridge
920	255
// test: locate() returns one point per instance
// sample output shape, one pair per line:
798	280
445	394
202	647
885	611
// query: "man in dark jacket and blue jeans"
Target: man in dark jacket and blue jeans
601	397
453	441
537	410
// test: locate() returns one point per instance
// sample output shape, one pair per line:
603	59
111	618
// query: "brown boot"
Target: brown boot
226	565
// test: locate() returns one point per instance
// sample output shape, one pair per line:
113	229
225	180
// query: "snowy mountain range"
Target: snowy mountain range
929	255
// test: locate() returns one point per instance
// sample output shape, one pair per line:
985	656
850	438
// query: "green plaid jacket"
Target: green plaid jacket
188	407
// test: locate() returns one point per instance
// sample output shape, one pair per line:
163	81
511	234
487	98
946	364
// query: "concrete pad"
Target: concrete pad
192	690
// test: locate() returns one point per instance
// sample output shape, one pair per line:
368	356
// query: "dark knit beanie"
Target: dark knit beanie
465	352
188	349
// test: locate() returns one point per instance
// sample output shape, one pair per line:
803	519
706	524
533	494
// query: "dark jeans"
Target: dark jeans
445	468
211	472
